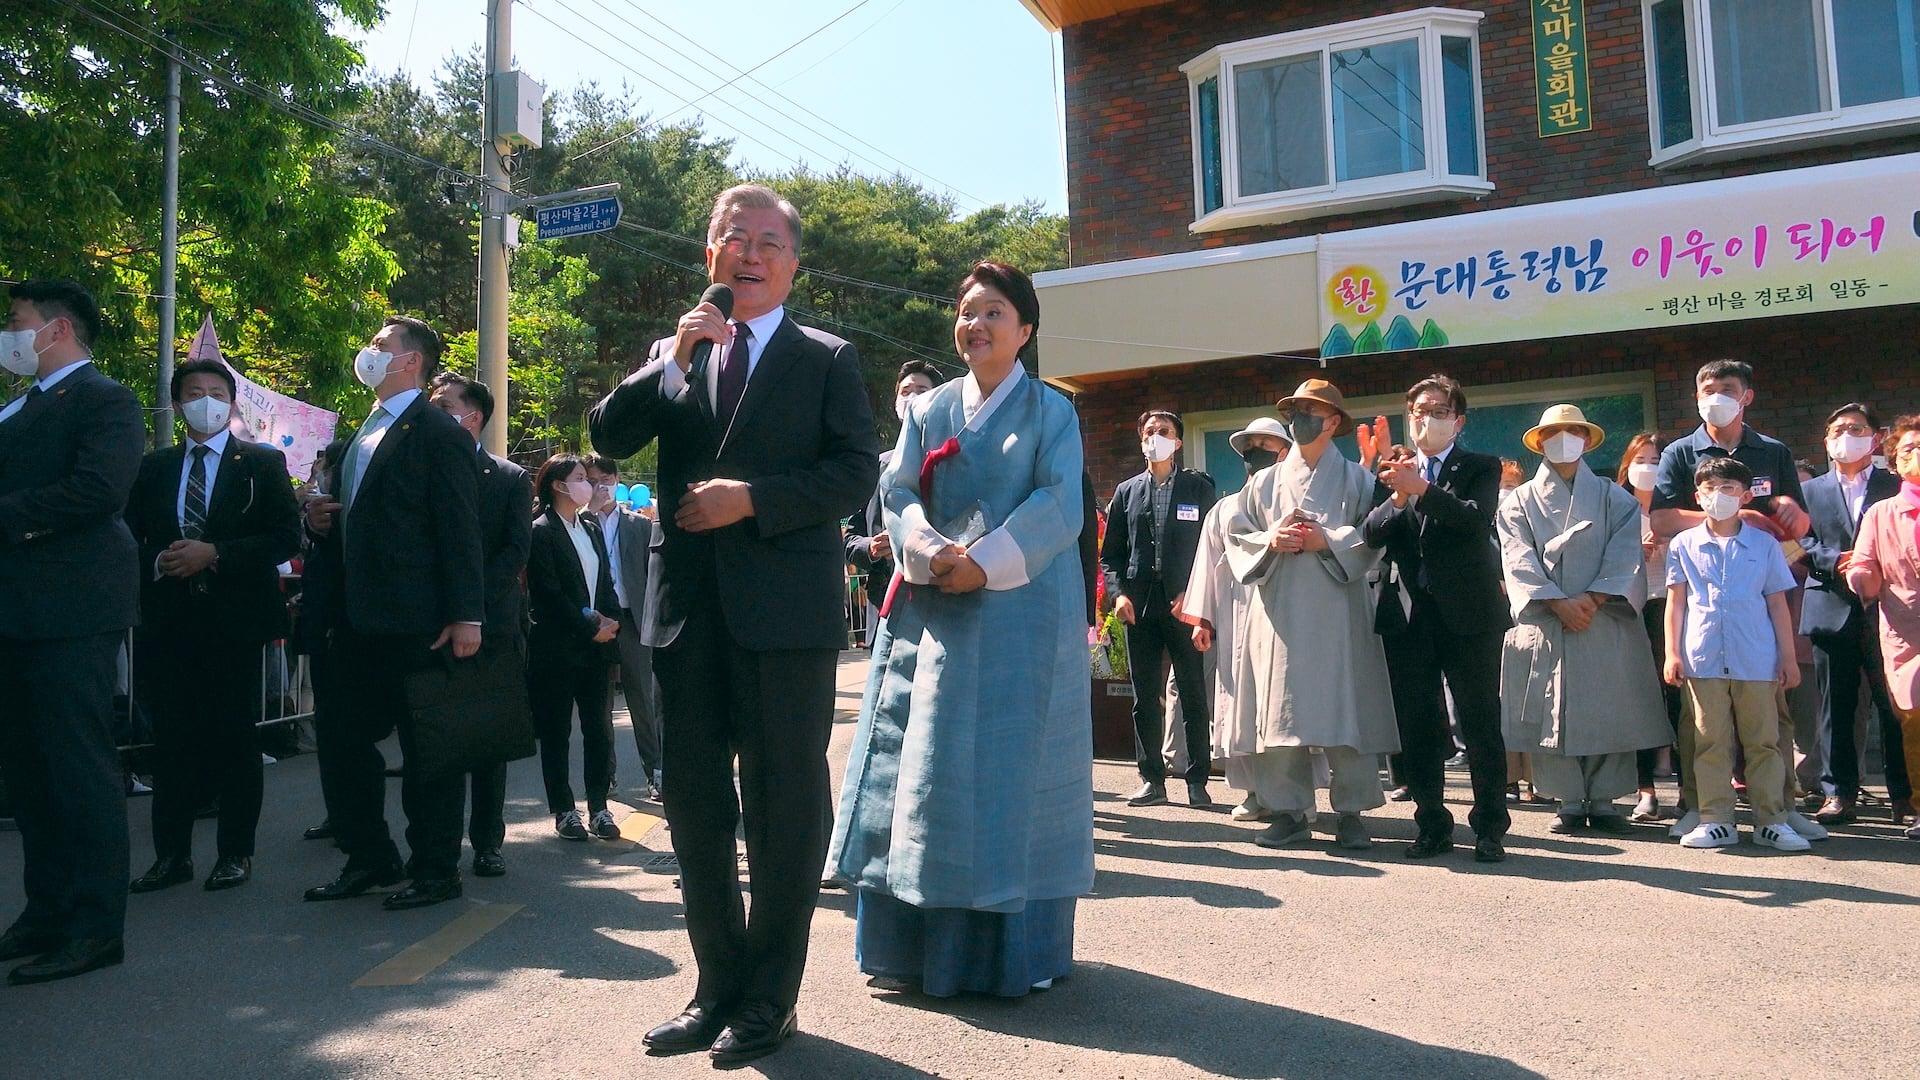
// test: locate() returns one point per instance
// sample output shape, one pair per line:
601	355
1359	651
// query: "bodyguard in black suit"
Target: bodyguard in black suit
214	517
69	449
403	533
764	448
1846	642
506	522
1441	614
1153	529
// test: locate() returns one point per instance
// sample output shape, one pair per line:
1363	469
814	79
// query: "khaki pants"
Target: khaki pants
1783	744
1282	779
1729	712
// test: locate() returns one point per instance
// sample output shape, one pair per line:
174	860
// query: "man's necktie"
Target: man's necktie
1433	470
194	525
733	376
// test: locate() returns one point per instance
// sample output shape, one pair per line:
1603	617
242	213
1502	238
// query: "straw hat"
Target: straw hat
1563	416
1265	425
1325	393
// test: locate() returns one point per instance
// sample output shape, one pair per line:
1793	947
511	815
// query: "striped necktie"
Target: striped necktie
193	523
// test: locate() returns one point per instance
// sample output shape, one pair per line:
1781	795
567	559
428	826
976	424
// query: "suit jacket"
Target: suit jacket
68	459
636	539
1448	532
506	526
253	521
1829	607
408	552
562	630
868	521
1089	546
1127	553
803	437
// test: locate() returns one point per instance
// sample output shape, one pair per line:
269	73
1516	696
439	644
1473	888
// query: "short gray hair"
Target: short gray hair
752	197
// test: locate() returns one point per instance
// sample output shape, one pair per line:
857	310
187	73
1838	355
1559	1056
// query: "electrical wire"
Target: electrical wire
840	48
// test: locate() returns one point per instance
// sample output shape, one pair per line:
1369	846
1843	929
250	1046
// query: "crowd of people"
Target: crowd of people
1335	611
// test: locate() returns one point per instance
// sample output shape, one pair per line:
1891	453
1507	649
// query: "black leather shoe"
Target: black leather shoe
423	892
229	872
76	957
17	943
489	864
1427	845
696	1028
167	871
352	883
1148	794
1488	849
755	1031
322	831
1197	796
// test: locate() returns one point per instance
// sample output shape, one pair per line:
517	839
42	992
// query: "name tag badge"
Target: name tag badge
1187	512
1762	487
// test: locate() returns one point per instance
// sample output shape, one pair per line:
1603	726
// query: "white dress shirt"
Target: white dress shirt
45	384
759	332
1855	492
216	446
589	558
360	453
1420	458
610	523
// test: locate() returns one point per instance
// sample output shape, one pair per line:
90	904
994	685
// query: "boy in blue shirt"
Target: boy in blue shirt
1729	642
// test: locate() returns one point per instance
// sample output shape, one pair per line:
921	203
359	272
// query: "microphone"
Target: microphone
719	296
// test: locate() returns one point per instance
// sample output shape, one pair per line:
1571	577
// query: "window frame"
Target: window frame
1712	141
1426	26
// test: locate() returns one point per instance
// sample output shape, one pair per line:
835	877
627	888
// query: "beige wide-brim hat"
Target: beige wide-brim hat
1265	425
1325	393
1563	416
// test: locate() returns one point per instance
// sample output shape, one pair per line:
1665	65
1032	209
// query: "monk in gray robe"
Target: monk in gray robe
1316	674
1578	686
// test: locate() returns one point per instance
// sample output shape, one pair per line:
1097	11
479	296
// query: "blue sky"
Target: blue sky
961	96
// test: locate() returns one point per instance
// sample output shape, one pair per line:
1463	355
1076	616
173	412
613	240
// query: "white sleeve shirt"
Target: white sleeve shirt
759	332
589	558
216	447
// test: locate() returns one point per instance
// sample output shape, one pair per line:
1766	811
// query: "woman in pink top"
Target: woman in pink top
1884	566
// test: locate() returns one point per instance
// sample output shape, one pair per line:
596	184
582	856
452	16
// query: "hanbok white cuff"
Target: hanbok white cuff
1002	560
919	543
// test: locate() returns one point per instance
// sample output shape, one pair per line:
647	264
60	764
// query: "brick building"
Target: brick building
1257	189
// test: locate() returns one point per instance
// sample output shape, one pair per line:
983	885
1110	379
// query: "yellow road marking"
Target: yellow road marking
413	963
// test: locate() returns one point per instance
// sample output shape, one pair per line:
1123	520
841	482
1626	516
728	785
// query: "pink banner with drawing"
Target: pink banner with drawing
297	429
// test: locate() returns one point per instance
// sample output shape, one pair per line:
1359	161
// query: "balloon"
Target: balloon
639	495
620	493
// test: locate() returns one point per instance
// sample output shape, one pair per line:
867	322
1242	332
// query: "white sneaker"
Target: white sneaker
1781	837
1249	810
1688	822
1805	826
1711	834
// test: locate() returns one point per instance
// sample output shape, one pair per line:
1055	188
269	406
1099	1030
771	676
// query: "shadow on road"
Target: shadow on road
1116	1009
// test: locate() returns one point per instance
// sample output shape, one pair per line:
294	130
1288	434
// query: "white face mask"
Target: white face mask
1642	475
580	491
371	365
900	403
1847	449
206	415
1159	448
18	353
1432	434
1719	410
1565	448
1720	505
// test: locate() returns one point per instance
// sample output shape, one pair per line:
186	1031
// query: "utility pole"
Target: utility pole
169	245
492	321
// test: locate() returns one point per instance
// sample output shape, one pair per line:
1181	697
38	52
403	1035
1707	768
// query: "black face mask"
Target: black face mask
1305	426
1258	459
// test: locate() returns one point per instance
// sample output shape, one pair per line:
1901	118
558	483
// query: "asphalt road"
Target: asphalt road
1199	955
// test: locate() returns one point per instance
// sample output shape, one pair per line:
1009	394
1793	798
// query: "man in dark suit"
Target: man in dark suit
630	538
868	546
764	447
403	533
1442	615
1153	527
214	518
69	450
506	523
1846	644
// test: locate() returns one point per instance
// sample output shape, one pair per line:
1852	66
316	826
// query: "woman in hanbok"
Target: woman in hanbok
1578	688
965	826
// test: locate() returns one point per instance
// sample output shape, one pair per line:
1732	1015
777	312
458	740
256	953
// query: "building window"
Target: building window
1729	78
1379	112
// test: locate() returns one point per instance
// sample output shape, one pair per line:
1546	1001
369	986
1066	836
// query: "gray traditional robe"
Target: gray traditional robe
1592	692
1315	673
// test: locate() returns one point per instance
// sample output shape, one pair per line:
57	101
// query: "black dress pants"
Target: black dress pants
774	710
63	777
207	697
556	685
1154	633
367	703
1417	661
1654	614
1846	658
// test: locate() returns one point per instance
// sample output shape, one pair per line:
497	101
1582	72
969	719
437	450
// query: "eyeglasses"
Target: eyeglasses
739	245
1849	429
1437	412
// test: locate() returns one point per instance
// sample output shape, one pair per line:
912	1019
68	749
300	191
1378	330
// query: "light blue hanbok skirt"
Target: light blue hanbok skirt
948	951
